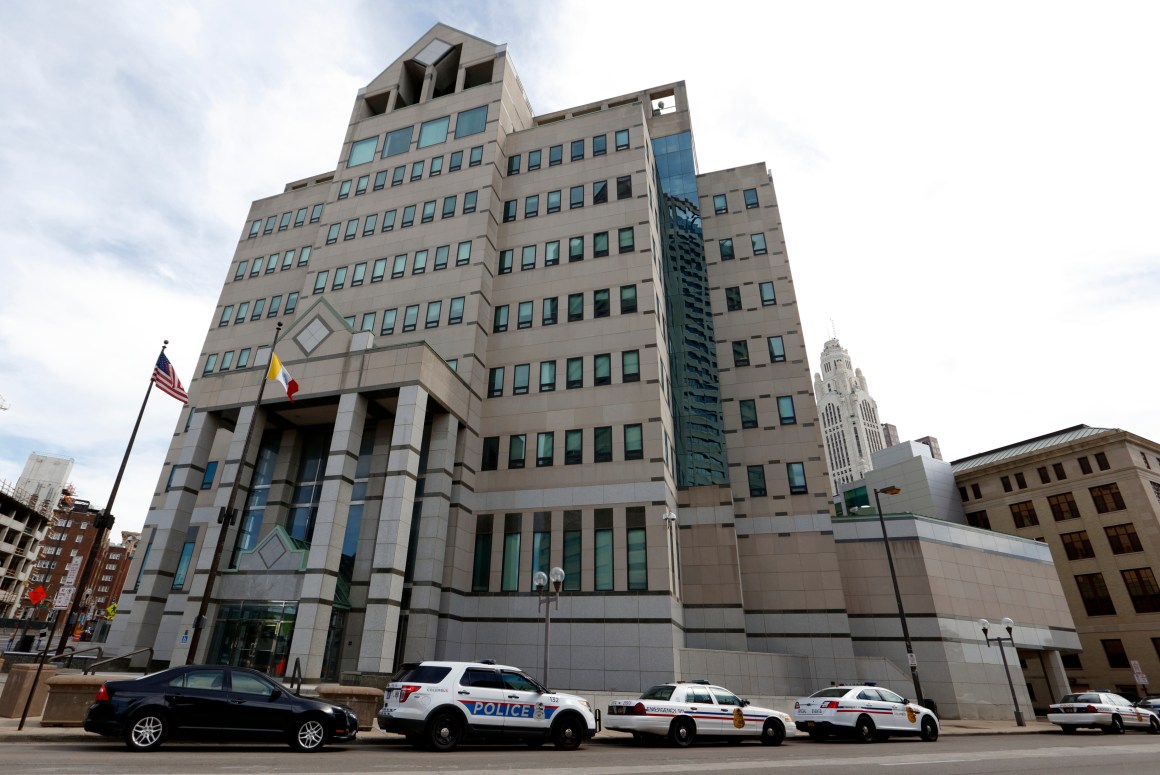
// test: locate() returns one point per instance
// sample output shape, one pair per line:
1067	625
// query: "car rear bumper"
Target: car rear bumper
1080	719
400	726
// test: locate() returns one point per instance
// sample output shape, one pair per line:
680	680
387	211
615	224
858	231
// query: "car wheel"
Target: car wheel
309	735
929	730
568	733
681	732
819	735
1116	727
444	732
1068	729
1154	726
864	730
146	731
772	732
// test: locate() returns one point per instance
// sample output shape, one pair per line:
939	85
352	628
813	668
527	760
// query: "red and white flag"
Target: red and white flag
165	378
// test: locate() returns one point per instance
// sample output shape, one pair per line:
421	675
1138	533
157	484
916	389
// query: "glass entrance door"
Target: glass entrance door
254	634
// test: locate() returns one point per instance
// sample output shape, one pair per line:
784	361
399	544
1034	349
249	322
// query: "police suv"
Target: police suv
437	705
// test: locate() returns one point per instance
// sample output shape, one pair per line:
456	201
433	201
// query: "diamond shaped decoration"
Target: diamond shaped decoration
313	335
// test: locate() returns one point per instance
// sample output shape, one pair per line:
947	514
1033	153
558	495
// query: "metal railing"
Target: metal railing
296	676
72	652
91	668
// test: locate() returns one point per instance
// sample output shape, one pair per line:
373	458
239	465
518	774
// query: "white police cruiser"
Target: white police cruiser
437	705
867	713
685	710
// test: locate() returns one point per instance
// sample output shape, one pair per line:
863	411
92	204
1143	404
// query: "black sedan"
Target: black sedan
215	702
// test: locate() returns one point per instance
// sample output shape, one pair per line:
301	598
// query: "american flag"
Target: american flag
165	378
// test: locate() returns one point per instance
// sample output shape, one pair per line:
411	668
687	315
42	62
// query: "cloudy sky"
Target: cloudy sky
969	191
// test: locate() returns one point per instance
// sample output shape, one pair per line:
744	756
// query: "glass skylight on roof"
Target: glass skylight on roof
432	52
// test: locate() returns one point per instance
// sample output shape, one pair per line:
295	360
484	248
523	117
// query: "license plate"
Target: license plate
809	723
1069	710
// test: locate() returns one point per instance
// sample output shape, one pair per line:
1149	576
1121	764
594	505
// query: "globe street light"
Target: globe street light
910	658
547	597
1008	625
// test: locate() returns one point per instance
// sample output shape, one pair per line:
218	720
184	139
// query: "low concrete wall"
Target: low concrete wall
364	700
17	688
69	698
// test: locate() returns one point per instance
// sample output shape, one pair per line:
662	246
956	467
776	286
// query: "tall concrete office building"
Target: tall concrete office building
520	342
849	415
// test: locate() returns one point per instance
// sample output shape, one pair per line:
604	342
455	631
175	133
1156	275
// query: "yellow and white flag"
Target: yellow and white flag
278	373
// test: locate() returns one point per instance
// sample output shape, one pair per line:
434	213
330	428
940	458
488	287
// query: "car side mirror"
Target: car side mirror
744	703
274	695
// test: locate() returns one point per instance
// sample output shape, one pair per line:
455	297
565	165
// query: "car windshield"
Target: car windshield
1080	698
833	691
658	693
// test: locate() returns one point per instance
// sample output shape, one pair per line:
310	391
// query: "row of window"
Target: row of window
573	553
268	265
574	374
1117	658
1020	481
390	317
432	167
774	344
285	222
549	309
786	413
1105	498
1122	539
576	150
1139	582
756	243
258	309
371	223
733	296
721	202
577	250
433	132
573	447
576	199
795	474
398	267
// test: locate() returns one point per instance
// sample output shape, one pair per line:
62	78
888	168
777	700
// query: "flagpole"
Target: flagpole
103	522
228	513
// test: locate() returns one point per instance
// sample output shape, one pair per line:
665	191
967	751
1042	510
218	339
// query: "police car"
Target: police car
684	710
1101	710
866	713
438	705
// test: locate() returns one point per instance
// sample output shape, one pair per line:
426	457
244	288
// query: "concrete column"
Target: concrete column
232	468
321	576
140	612
1057	681
431	548
460	79
384	598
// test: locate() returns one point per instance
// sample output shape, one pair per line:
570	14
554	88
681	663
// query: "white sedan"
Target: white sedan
1101	710
866	713
685	710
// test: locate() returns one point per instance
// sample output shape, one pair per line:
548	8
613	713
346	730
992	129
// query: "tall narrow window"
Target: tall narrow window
602	369
796	473
544	448
768	297
750	198
758	241
633	442
410	317
573	447
1123	538
524	316
575	307
489	461
183	561
455	311
785	410
520	377
602	444
733	298
481	568
547	376
500	319
389	316
495	382
1094	593
636	548
553	202
621	139
552	253
630	366
517	450
601	303
602	551
748	408
756	481
627	299
551	309
726	248
510	575
627	239
741	353
575	376
573	549
541	541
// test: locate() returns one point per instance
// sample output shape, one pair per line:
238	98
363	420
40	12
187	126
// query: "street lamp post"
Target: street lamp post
910	658
1008	625
547	597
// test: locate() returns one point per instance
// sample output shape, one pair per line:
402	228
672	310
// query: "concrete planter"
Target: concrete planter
69	698
364	700
17	687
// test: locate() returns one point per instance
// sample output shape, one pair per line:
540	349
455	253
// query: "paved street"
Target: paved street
1048	753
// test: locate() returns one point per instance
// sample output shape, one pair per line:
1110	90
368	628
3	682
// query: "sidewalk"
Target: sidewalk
34	733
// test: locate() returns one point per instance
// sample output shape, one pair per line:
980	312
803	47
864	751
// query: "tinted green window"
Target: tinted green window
471	122
397	142
363	151
637	559
433	132
602	560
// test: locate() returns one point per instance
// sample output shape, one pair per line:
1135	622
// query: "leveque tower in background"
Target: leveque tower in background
522	341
